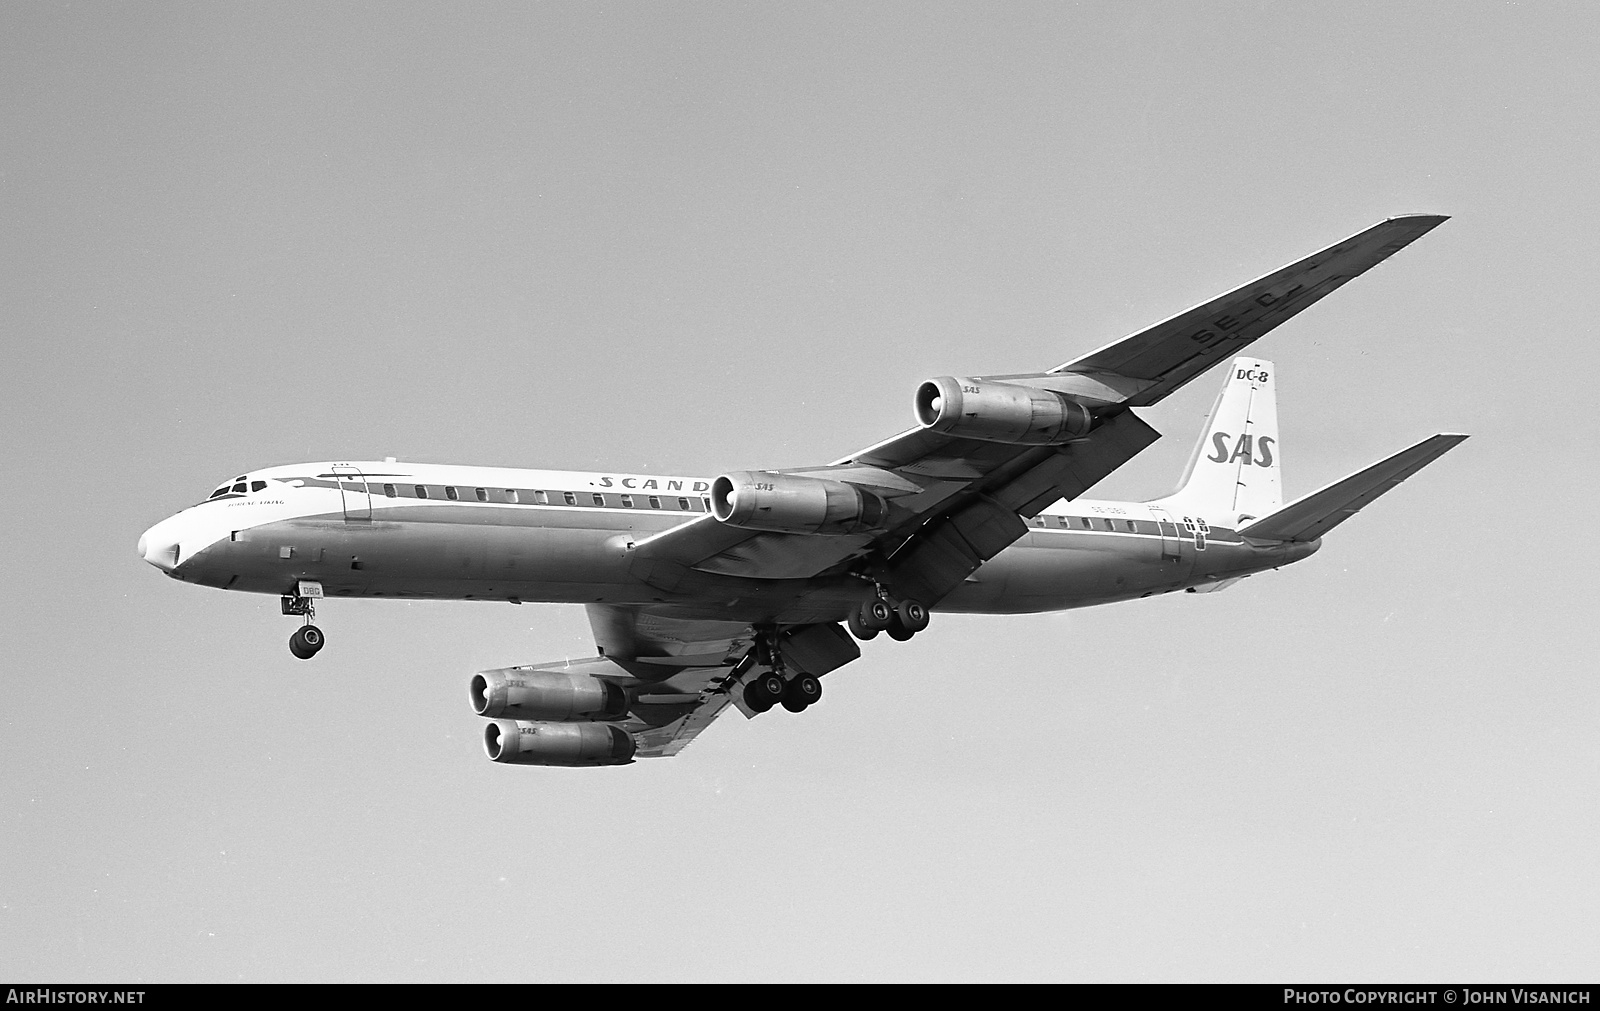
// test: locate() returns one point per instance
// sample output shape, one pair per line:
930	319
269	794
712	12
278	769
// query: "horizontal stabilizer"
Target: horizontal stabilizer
1317	513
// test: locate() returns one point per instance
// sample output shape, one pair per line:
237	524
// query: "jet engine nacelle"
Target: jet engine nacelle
761	500
1000	412
523	694
518	742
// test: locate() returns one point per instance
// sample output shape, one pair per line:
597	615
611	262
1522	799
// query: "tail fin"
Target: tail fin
1311	517
1236	467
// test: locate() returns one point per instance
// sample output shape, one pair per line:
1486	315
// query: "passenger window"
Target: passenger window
683	503
388	490
422	491
1038	521
627	501
541	498
655	502
1062	522
483	496
599	500
1085	521
450	493
570	498
1133	528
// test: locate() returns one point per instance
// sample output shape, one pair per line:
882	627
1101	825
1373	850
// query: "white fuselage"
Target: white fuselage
431	531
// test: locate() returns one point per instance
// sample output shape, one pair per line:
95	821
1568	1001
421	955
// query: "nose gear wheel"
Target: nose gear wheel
307	640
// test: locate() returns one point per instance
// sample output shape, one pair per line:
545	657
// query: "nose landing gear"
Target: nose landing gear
307	640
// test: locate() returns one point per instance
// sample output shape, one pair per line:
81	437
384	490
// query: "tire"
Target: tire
772	686
755	698
876	613
306	642
898	632
913	616
859	630
802	691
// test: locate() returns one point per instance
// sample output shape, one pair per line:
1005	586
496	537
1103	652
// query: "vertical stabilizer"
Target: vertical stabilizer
1237	465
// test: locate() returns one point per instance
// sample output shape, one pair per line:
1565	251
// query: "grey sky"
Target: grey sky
707	237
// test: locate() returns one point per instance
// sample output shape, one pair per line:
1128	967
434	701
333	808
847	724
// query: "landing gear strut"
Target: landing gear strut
307	640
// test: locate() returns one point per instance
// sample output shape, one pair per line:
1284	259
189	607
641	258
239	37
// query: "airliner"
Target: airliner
737	590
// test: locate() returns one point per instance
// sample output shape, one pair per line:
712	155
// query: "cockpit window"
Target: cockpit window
220	491
239	487
257	485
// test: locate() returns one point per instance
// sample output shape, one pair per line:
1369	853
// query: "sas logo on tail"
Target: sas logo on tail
1242	450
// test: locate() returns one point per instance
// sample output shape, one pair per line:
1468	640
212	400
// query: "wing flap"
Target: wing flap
684	671
676	682
935	561
1317	513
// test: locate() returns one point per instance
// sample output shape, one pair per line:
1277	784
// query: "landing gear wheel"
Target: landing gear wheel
772	685
306	641
764	692
756	699
802	691
913	616
875	614
898	632
858	628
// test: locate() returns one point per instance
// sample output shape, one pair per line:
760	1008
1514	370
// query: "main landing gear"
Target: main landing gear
308	639
795	692
902	619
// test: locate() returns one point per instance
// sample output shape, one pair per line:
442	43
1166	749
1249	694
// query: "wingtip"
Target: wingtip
1431	220
1444	442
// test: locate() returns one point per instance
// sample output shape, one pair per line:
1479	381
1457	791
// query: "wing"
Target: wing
681	674
956	502
1164	357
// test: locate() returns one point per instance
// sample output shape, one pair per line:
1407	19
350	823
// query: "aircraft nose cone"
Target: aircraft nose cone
159	548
